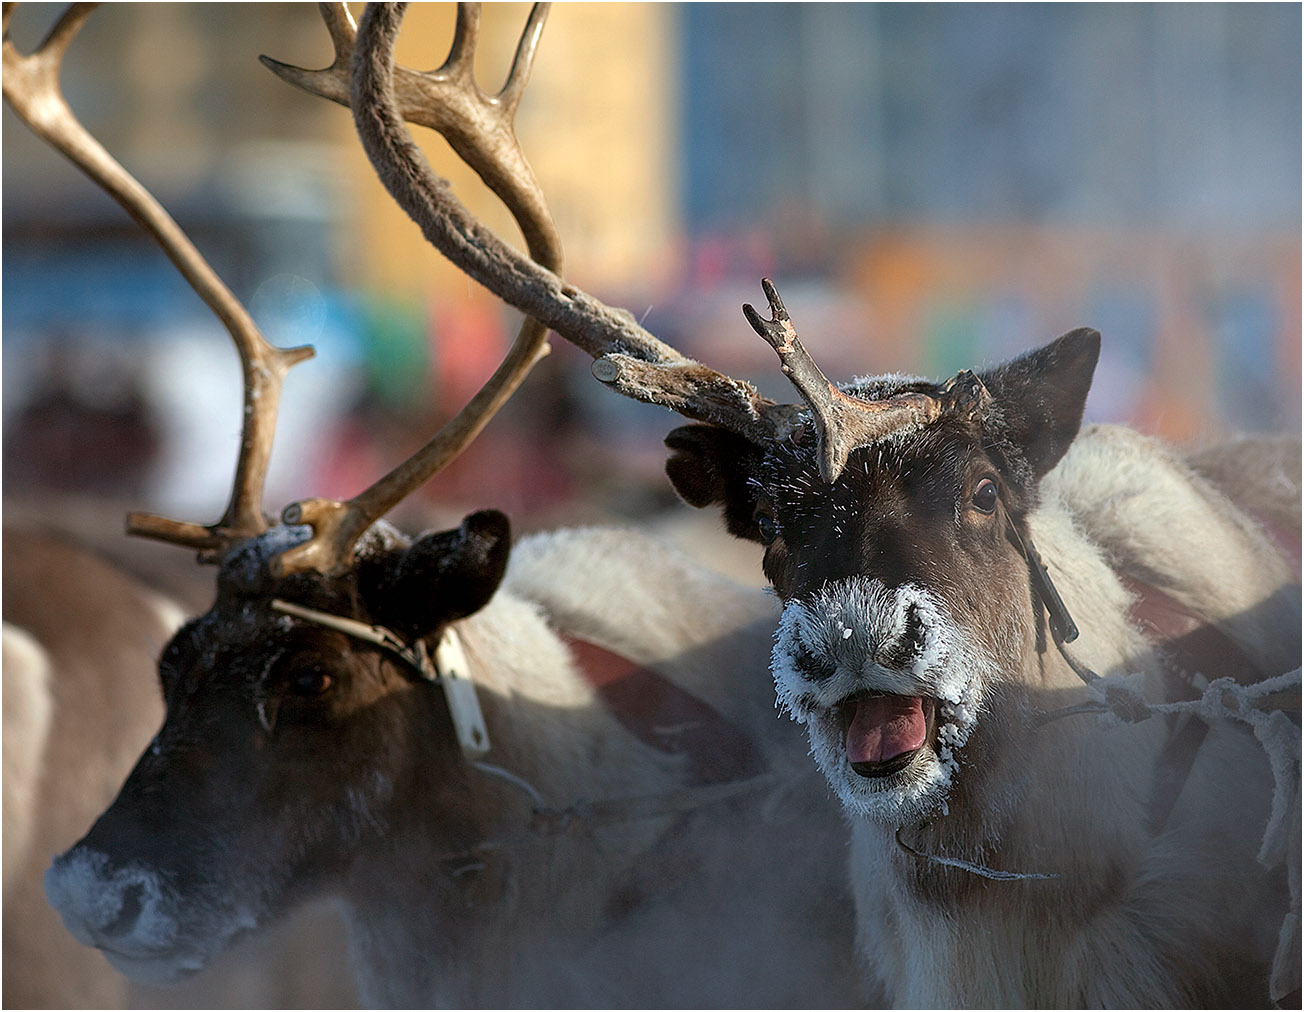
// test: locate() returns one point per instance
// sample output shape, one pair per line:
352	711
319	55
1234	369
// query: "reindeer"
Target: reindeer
1008	848
512	765
83	626
48	669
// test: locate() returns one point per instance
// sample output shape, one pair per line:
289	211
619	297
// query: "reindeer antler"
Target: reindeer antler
31	87
480	128
627	357
845	422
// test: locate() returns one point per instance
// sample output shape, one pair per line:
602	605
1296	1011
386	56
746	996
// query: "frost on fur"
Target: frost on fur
857	637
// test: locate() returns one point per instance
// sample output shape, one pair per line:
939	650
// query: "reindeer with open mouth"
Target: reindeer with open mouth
1047	670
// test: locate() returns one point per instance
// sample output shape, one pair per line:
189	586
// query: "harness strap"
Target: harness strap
448	669
1188	645
723	762
414	655
585	814
995	874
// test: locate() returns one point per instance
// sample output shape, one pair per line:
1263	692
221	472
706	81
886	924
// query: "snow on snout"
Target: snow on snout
124	906
869	669
132	914
862	637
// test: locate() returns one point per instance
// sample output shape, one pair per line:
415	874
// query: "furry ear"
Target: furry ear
710	465
441	577
1038	400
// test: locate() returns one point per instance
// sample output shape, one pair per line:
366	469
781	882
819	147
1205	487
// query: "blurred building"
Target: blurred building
932	186
251	179
987	176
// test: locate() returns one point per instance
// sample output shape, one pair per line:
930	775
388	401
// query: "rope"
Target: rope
969	866
1225	699
644	806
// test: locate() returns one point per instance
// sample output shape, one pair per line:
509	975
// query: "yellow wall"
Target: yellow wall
596	124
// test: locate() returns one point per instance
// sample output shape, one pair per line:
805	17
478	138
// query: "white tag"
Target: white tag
459	690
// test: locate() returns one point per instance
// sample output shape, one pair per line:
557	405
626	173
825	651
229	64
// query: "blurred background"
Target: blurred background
932	187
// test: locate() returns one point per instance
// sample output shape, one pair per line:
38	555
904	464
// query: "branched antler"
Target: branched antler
481	129
845	422
31	87
629	358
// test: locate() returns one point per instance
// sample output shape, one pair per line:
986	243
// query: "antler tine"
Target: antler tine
466	33
64	31
629	359
522	63
31	87
843	422
480	128
331	82
447	100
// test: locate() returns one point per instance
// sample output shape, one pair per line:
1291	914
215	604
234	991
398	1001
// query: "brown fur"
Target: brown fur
87	634
436	864
1178	914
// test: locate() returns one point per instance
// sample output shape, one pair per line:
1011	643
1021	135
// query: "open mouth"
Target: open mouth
883	732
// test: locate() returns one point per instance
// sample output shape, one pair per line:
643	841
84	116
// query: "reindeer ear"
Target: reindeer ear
442	577
709	465
1038	400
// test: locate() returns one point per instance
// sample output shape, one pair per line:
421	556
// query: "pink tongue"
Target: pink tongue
883	727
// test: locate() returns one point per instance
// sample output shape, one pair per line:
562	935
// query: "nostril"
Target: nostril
914	637
816	667
905	645
128	912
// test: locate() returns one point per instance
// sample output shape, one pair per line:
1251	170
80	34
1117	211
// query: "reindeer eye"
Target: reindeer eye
984	496
312	680
766	526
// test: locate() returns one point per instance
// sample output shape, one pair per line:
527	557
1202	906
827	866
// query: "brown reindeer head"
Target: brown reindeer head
891	509
288	749
907	586
302	704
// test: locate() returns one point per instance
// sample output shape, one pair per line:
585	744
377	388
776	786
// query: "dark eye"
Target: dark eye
984	496
310	680
766	526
